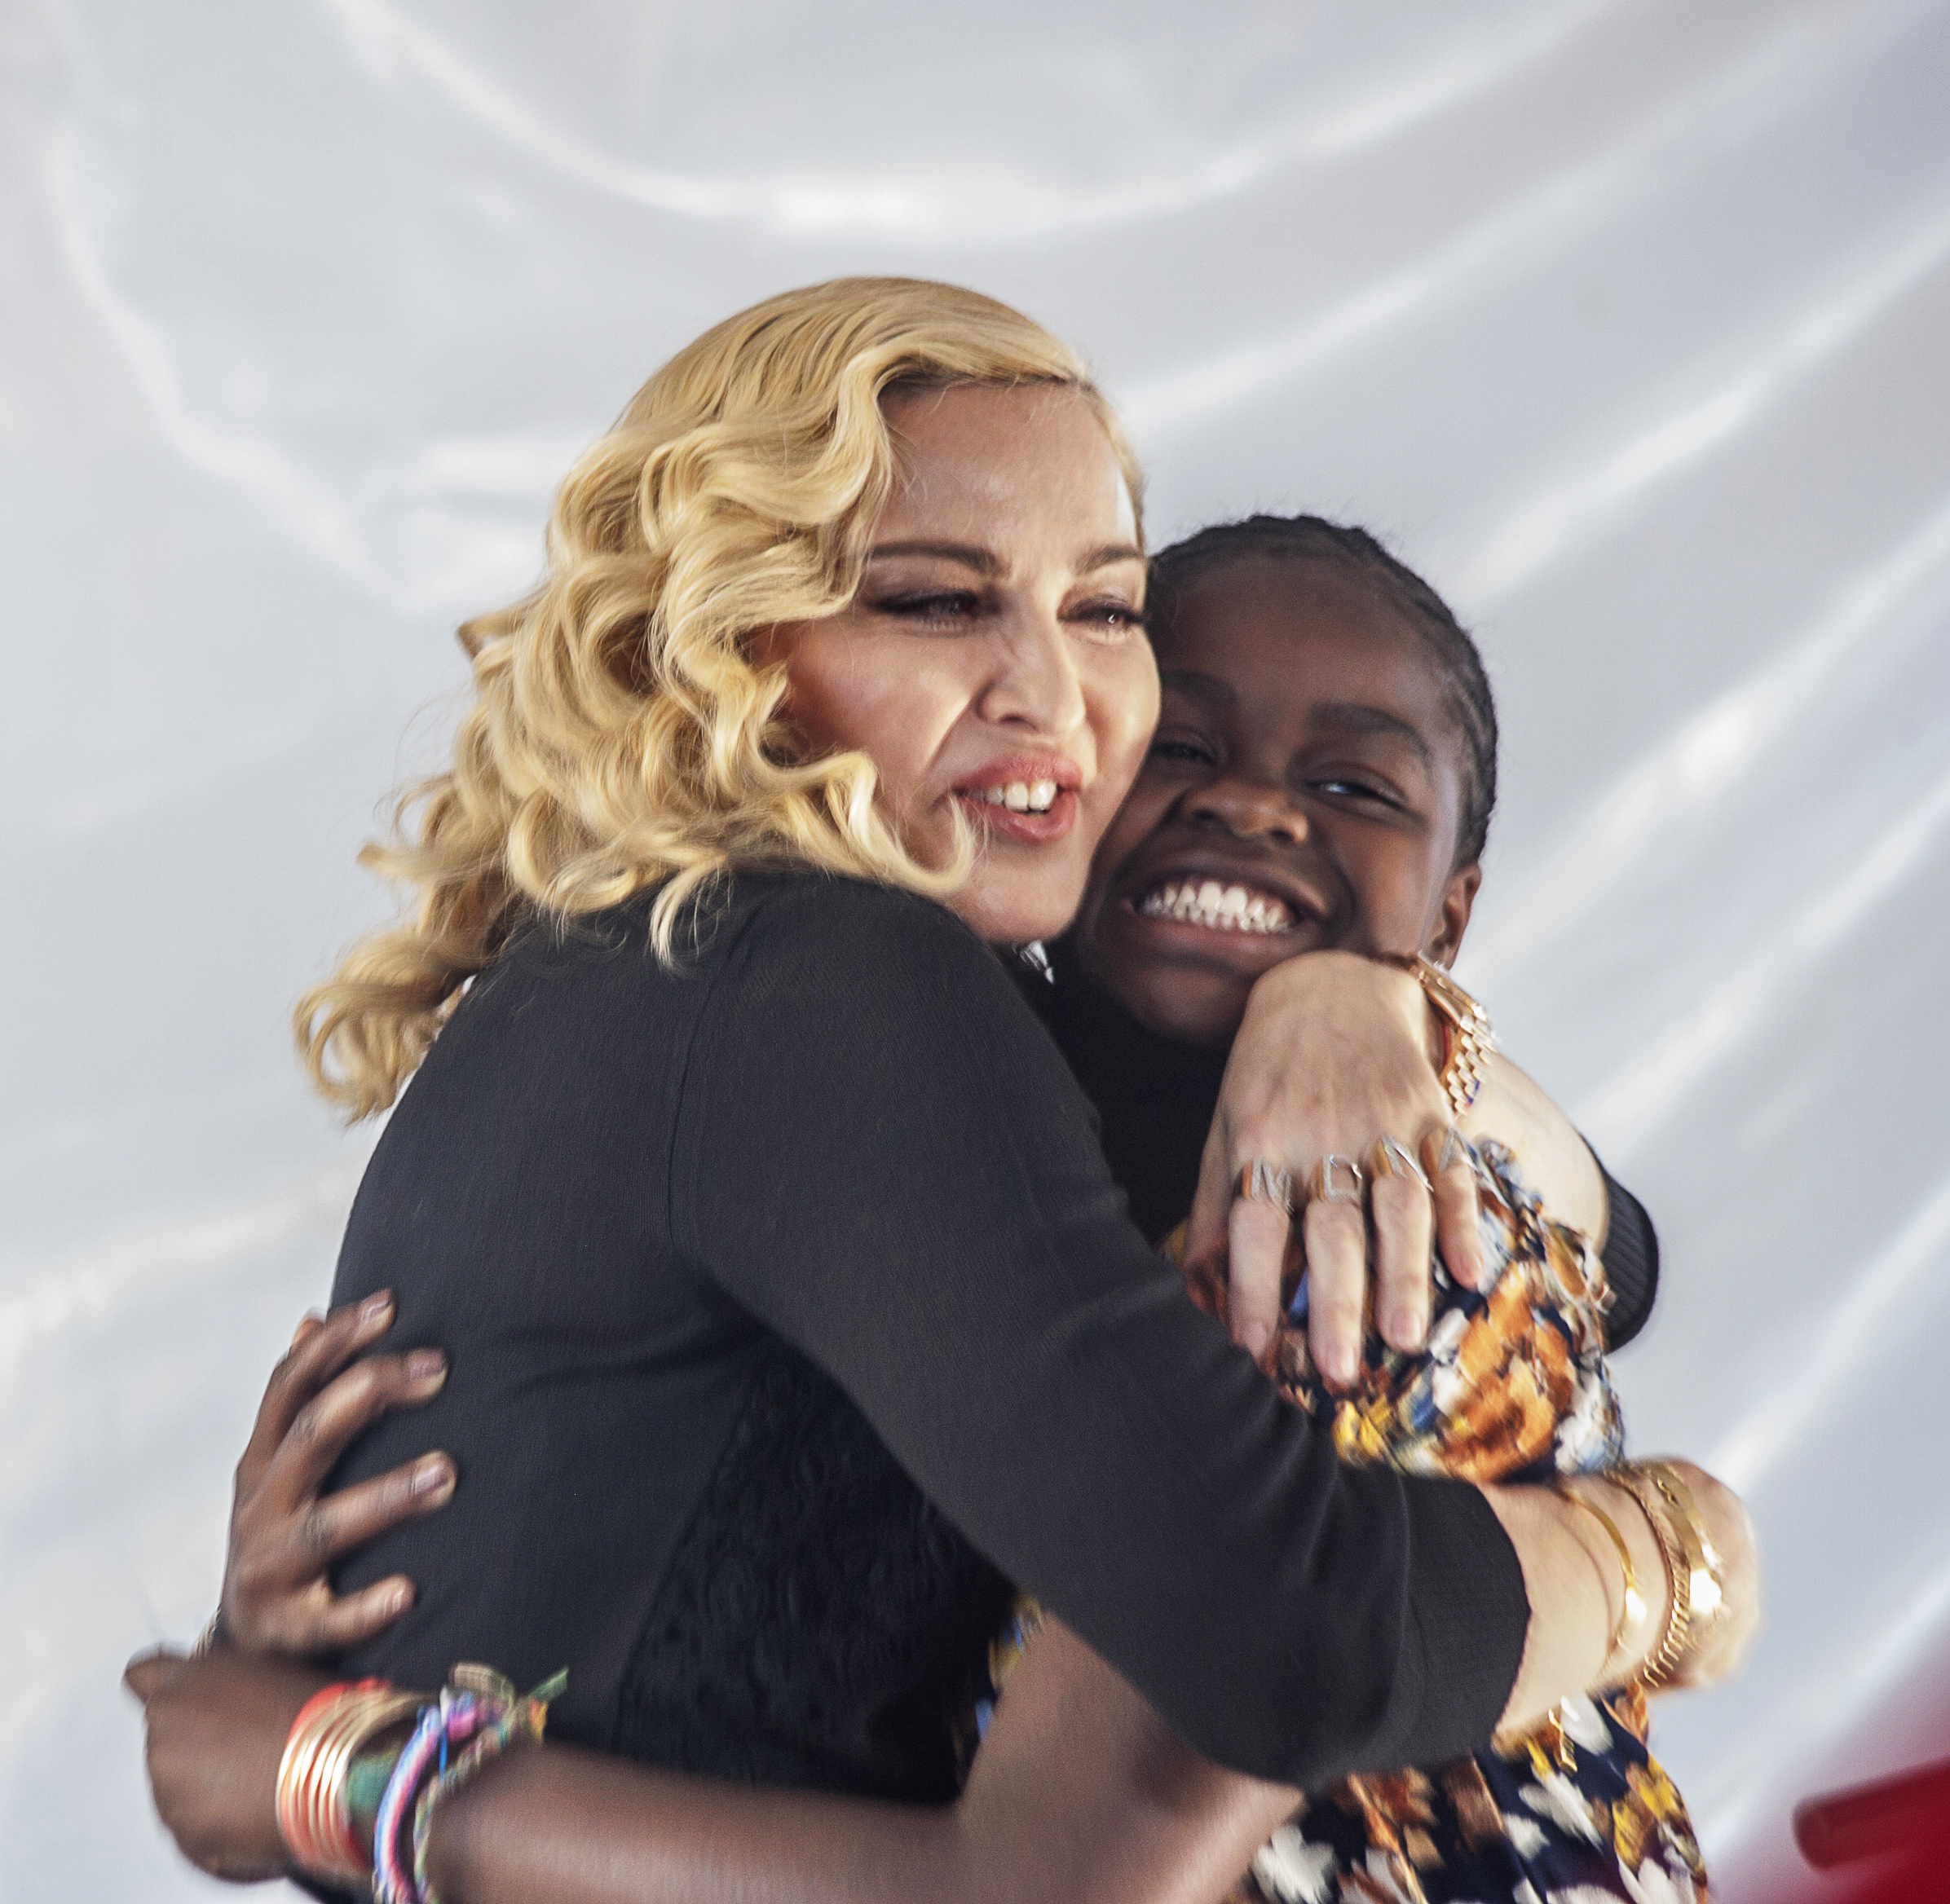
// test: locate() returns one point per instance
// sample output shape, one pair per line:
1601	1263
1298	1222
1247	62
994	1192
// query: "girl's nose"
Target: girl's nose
1248	809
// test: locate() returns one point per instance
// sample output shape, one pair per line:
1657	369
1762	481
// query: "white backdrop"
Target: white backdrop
1628	320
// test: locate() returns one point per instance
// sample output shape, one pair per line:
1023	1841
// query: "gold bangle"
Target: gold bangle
1633	1604
1663	1661
1706	1572
1467	1039
314	1818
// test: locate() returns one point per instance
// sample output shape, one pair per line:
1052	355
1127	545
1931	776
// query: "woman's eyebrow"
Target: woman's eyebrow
982	561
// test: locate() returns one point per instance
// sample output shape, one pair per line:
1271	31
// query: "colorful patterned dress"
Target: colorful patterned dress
1512	1387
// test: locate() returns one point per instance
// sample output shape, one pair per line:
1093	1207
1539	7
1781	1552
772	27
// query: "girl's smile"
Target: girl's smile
1303	790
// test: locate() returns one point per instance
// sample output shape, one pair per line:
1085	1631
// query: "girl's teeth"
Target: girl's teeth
1225	909
1021	796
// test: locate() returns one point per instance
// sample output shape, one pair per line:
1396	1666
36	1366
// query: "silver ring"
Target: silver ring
1395	1161
1454	1150
1322	1188
1260	1182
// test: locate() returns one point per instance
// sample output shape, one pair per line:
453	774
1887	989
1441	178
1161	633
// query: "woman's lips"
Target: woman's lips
1036	827
1031	797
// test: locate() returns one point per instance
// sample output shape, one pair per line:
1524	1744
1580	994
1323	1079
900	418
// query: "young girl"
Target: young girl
1322	775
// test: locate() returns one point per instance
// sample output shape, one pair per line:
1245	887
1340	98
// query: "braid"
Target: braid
1313	539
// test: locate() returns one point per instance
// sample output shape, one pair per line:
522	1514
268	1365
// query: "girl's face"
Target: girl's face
1303	790
995	660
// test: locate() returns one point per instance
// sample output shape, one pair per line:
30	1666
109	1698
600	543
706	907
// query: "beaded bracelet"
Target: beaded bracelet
477	1711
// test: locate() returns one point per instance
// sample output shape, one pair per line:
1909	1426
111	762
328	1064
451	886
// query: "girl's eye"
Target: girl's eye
1343	788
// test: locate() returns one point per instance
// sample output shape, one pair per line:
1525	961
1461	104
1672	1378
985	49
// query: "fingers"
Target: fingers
316	1355
147	1673
334	1625
1404	1233
1336	1241
1257	1234
339	1522
1445	1157
333	1418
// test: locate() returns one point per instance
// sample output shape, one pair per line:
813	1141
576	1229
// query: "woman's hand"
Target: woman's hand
1333	1054
284	1534
217	1728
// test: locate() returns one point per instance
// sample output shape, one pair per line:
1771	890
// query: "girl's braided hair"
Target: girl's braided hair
1313	539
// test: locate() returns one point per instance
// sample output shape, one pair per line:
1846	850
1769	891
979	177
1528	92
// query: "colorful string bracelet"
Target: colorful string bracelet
476	1718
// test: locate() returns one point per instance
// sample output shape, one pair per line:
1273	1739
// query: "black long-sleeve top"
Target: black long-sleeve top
792	1312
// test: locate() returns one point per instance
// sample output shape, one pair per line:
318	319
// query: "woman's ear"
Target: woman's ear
1452	915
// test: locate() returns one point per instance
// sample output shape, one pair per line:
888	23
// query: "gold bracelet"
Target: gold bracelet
314	1818
1467	1039
1633	1612
1663	1661
1706	1575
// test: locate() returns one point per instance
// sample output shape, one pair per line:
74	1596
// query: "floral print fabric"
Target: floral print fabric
1512	1387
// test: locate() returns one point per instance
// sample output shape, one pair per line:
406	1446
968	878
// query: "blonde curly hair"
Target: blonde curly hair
620	736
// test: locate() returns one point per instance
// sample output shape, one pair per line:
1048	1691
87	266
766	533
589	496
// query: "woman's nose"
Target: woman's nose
1248	809
1036	684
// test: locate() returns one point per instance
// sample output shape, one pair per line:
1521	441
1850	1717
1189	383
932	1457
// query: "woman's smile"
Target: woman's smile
994	664
1030	797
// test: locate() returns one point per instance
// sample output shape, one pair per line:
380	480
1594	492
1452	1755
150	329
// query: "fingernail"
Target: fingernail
399	1599
434	1475
1253	1339
1404	1330
379	1304
423	1364
1338	1363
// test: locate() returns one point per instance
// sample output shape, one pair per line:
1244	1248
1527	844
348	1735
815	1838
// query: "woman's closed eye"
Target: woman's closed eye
946	608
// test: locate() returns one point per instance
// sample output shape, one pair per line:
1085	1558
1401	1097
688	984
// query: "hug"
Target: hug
873	904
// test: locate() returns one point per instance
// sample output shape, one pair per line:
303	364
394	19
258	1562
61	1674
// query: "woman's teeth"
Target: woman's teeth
1225	909
1020	796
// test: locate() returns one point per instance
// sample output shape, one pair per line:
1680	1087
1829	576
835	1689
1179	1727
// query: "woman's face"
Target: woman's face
995	660
1304	791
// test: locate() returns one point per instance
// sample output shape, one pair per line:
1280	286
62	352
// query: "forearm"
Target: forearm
559	1826
1575	1589
1557	1163
1080	1795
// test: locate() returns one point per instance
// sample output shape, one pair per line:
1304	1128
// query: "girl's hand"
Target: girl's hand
284	1534
217	1728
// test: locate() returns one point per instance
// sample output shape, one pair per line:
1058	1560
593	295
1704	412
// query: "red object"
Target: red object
1897	1830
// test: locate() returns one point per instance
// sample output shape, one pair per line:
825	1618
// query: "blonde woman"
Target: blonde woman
793	1318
